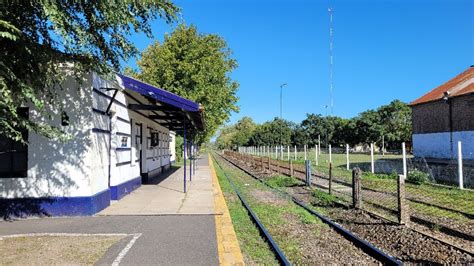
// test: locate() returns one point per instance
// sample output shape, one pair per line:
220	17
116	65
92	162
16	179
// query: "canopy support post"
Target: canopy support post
184	153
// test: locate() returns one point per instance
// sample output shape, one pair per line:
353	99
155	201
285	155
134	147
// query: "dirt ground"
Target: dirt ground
54	250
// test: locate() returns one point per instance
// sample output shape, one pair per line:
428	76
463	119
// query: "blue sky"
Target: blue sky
383	50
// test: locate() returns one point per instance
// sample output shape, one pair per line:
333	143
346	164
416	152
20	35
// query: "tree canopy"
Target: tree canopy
391	122
37	36
195	66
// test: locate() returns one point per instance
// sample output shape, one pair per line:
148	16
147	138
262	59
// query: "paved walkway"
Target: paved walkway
167	197
168	231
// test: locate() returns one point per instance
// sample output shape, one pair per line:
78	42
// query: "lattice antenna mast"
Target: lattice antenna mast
331	61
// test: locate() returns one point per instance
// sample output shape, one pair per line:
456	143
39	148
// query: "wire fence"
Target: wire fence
434	194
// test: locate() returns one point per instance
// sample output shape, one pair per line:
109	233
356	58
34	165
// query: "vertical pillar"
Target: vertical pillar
330	154
296	155
402	206
319	144
288	152
305	157
372	166
356	173
291	168
460	174
308	172
281	152
404	152
347	157
330	177
317	155
184	156
191	159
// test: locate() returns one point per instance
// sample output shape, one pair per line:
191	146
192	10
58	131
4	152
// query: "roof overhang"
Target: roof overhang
175	112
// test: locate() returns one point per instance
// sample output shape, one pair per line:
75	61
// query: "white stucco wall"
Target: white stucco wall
438	145
56	168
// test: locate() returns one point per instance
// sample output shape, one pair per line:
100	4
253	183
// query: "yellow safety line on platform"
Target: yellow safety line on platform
227	244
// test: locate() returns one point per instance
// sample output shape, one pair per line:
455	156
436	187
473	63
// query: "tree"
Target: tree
195	66
38	36
276	132
244	129
396	120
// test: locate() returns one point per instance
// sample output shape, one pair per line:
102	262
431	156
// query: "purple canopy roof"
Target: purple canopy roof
159	94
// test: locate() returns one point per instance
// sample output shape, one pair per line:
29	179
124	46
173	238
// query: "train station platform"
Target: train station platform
166	196
168	226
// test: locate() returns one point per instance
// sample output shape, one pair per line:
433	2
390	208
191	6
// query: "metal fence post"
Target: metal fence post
330	177
402	207
356	173
460	174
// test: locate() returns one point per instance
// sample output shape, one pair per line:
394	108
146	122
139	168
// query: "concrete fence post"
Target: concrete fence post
291	168
330	154
402	206
296	155
356	200
404	152
460	173
330	178
372	166
281	152
288	152
316	153
305	157
308	172
319	144
347	157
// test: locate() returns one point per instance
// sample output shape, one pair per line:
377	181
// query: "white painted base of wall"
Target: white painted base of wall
438	145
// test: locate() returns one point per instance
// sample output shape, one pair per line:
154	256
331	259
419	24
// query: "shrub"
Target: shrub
417	177
323	199
283	181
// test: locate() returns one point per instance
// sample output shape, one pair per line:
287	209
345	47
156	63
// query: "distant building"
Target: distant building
444	116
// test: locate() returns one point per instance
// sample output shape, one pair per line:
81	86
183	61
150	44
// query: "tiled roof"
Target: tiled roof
459	85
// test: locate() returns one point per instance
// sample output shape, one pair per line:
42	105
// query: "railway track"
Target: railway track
390	237
369	249
456	236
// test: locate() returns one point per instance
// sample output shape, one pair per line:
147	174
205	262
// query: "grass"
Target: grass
461	200
276	213
254	248
283	181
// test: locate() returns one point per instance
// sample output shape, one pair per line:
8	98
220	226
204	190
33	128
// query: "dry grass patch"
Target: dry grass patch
55	250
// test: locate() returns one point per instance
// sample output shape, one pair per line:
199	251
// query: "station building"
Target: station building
444	116
122	134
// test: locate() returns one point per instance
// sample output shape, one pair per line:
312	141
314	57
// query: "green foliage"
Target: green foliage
276	132
283	181
179	148
39	37
231	137
370	175
392	121
417	177
196	66
323	199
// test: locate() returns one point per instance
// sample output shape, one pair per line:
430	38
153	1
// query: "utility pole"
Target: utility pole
331	61
281	115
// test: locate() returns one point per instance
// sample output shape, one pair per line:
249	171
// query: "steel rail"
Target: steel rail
279	254
364	245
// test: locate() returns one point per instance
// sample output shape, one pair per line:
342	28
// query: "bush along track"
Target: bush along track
405	244
302	237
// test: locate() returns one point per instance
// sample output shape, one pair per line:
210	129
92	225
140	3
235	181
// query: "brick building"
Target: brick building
444	116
